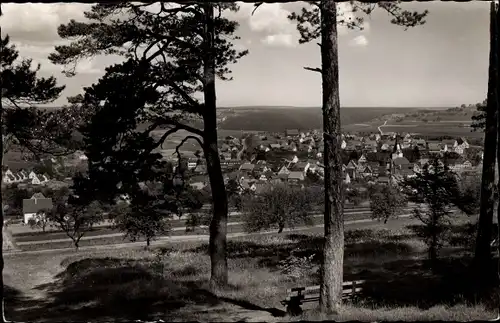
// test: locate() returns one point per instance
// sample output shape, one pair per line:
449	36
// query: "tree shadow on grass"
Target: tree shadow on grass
118	289
413	283
396	273
16	301
269	255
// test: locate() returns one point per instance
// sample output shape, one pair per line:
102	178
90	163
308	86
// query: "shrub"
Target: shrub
295	268
280	206
195	220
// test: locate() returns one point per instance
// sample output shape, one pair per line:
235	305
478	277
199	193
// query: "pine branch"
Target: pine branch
313	69
182	143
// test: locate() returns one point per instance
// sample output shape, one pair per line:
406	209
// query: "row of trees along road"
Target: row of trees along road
171	54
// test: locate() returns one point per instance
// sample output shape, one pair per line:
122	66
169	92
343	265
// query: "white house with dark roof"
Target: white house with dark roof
8	178
35	180
31	175
35	204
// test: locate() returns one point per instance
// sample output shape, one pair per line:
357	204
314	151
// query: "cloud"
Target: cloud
275	29
270	22
279	40
33	27
38	22
359	41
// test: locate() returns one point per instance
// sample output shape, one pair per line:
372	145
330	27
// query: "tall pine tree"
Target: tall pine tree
175	52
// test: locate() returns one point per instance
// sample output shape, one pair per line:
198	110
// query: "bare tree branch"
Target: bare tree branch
313	69
182	143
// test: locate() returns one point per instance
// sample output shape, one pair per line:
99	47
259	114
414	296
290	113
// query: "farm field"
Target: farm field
274	119
104	284
426	129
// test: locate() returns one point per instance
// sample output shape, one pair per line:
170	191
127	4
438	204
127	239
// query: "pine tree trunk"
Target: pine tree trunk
333	249
497	102
1	254
1	227
218	225
483	240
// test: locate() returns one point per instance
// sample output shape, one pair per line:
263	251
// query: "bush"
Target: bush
386	202
195	220
280	206
295	268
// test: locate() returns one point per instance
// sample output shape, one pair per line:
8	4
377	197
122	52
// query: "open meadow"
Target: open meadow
169	282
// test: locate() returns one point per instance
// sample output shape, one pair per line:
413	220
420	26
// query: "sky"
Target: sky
443	63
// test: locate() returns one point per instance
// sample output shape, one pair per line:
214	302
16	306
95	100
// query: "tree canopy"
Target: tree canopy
172	56
24	124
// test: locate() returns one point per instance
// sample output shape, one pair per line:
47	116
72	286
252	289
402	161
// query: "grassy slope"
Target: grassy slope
129	284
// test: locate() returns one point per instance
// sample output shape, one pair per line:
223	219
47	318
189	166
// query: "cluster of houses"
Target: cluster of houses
377	142
370	167
25	177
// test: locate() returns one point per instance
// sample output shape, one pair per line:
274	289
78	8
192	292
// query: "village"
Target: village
295	157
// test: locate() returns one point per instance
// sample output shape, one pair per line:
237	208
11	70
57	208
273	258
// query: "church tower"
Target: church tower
396	151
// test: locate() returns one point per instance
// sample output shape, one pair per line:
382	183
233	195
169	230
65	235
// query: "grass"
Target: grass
133	284
407	314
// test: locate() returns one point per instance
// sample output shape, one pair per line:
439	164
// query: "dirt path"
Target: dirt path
8	241
42	271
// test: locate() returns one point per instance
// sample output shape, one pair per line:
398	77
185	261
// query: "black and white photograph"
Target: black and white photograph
250	161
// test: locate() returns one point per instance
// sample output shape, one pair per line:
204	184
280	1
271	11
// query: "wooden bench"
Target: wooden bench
300	295
494	245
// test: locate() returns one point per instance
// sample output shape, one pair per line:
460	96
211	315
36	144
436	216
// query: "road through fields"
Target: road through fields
178	228
393	224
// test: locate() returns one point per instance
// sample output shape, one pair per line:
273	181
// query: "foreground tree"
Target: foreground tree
34	131
72	216
235	193
279	206
482	255
354	195
141	221
40	220
386	202
149	211
172	52
479	118
321	20
435	190
495	94
198	219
